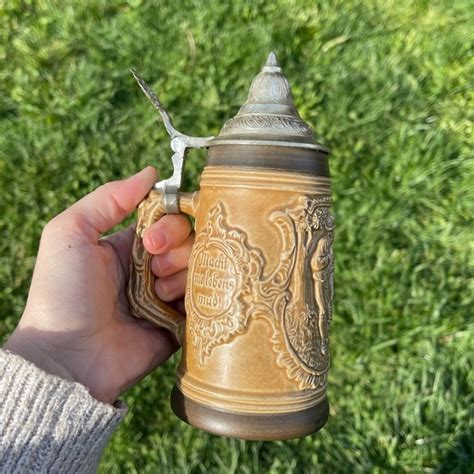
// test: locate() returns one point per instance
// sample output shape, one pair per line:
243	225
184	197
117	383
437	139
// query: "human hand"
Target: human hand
77	323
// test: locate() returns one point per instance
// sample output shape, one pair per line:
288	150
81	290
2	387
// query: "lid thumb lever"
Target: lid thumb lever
180	143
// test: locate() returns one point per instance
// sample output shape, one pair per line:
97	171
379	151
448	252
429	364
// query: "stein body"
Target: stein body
259	291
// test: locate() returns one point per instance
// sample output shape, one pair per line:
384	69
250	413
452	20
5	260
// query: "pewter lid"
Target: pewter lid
269	116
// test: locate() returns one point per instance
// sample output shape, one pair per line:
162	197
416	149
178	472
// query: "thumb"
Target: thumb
108	205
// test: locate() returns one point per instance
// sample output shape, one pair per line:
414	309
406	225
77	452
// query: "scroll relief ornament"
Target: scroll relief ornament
257	123
227	284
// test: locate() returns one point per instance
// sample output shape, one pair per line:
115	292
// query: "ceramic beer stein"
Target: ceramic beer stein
259	292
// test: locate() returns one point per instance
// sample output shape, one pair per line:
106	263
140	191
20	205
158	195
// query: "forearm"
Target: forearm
49	424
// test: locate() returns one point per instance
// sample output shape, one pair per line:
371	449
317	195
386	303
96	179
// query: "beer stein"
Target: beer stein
259	291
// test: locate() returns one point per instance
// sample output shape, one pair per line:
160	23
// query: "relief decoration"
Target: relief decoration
229	283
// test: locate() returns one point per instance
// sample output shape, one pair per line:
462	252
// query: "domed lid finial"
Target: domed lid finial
272	60
269	114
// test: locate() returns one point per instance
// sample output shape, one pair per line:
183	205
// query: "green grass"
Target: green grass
386	85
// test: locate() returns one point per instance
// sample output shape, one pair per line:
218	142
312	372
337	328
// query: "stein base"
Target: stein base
261	427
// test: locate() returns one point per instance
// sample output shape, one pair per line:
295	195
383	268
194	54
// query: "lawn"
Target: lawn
387	85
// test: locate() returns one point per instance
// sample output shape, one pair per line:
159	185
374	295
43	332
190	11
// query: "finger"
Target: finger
171	287
176	259
167	233
107	206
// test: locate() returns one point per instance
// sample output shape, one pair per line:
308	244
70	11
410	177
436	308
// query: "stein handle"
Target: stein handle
144	303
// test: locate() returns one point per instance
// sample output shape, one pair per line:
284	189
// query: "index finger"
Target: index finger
167	233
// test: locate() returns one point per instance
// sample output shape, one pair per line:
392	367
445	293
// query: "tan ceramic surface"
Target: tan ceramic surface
259	291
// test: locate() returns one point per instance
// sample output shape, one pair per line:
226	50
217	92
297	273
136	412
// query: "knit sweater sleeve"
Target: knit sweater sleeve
48	424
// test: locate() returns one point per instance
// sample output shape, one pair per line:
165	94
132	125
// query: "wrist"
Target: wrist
37	351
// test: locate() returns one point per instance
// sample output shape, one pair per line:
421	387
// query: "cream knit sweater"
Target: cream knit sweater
48	424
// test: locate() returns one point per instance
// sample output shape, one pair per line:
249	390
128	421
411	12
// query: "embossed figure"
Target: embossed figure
303	344
321	266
